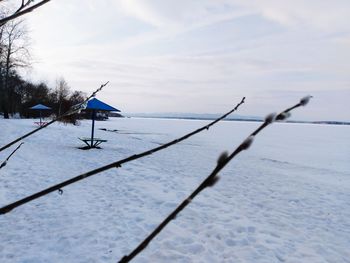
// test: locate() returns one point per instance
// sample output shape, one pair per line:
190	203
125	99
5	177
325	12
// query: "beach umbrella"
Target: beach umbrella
97	105
40	107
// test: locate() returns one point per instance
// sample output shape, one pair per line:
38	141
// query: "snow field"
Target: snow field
286	199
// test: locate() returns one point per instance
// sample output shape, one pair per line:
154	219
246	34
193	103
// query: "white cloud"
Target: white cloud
181	14
321	14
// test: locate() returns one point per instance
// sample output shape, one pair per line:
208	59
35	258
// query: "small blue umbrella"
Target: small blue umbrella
95	105
40	107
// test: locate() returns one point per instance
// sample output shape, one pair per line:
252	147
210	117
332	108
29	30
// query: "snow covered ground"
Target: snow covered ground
286	199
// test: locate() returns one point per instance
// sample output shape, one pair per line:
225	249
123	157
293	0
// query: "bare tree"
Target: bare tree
14	54
62	91
23	7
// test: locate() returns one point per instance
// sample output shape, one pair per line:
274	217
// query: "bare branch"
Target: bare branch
23	5
223	160
23	9
8	158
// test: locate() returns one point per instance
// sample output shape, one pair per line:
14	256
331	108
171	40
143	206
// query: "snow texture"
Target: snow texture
286	199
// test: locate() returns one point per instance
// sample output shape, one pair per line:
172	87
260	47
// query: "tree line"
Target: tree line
17	95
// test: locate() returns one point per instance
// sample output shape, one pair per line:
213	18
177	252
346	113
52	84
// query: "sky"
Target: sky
199	56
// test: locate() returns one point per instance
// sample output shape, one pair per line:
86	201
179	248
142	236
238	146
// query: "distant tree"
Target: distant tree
14	54
77	97
61	93
14	96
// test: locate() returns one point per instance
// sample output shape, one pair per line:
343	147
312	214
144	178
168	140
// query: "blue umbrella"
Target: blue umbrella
95	105
40	107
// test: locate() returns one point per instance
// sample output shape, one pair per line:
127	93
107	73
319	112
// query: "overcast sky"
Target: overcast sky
199	56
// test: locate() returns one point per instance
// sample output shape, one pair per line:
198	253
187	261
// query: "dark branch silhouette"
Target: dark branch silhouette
22	10
223	160
8	158
72	110
116	164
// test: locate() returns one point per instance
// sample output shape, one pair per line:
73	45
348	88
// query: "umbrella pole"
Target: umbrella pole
93	127
40	117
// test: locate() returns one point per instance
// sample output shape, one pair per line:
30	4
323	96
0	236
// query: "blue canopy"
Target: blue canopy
96	104
40	107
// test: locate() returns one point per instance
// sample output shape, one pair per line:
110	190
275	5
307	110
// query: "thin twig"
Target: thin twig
21	11
8	158
116	164
72	110
223	160
23	5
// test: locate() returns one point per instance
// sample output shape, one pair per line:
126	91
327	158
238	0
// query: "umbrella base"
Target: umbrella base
94	143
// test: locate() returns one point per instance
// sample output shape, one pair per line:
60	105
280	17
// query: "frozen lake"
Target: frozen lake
286	199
